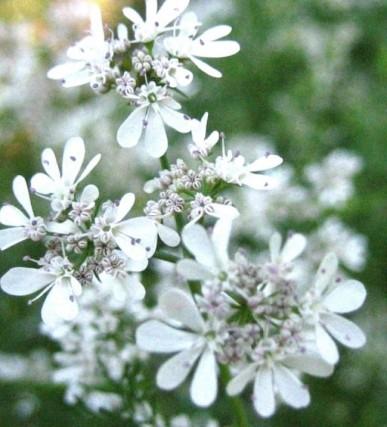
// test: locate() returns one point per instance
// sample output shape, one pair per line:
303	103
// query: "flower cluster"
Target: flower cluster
148	68
221	315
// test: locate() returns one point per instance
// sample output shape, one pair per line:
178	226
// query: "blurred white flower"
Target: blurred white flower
158	337
202	145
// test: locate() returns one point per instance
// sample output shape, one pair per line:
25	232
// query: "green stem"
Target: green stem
165	256
164	162
240	416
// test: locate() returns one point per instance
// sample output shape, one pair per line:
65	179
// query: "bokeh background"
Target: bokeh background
311	78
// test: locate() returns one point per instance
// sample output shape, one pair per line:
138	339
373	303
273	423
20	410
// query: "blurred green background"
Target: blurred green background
311	76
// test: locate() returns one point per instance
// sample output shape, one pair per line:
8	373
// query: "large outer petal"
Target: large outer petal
179	306
263	397
62	71
73	157
157	337
259	182
204	386
216	33
42	184
311	364
11	236
345	331
240	381
220	239
133	15
196	240
22	281
168	235
129	133
346	297
50	165
207	69
125	205
170	10
265	163
20	190
60	304
326	346
215	49
192	270
176	369
176	120
293	247
326	272
12	216
290	388
155	136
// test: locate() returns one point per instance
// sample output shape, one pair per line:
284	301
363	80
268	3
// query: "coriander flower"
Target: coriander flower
202	145
204	205
233	169
61	186
329	297
155	108
196	343
210	253
156	21
208	45
90	57
22	227
56	280
273	374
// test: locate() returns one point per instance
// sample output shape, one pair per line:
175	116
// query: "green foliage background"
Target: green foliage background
313	119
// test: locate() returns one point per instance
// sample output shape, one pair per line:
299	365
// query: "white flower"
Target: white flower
122	286
329	297
155	108
275	375
56	280
61	186
89	57
22	227
158	337
172	72
136	237
211	257
202	205
208	45
156	21
233	169
202	145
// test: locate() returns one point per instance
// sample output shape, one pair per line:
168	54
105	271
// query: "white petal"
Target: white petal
77	79
89	194
66	227
259	182
89	168
96	26
265	163
136	289
157	337
11	216
216	49
122	32
192	270
151	10
129	284
345	331
239	382
294	246
196	240
207	69
155	136
183	76
263	397
130	131
50	164
73	157
199	129
326	272
326	346
62	71
170	10
224	212
133	15
346	297
131	250
60	304
180	306
275	247
220	239
136	266
42	184
212	140
311	364
21	281
178	121
176	369
11	236
124	207
204	386
216	33
142	229
20	190
168	235
290	388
